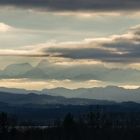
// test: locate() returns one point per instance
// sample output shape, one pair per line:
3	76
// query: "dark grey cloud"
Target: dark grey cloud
86	53
98	54
121	49
76	4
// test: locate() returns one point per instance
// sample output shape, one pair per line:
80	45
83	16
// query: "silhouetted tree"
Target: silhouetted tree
69	121
4	123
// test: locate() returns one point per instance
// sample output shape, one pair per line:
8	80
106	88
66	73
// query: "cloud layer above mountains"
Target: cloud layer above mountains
124	48
62	5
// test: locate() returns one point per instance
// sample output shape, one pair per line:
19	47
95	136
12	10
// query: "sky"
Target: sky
85	43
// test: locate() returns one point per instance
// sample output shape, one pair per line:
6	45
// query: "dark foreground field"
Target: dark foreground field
112	122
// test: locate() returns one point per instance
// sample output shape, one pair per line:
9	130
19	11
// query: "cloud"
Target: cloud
5	28
70	5
124	48
21	53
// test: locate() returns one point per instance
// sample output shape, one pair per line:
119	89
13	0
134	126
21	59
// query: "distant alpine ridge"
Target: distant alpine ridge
45	70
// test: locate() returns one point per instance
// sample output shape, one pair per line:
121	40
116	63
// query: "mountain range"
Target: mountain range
32	98
45	70
39	108
112	93
109	93
50	104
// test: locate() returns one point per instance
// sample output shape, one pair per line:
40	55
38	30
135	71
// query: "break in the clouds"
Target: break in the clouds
62	5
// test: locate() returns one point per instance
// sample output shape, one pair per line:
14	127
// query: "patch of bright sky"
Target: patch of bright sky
37	27
50	84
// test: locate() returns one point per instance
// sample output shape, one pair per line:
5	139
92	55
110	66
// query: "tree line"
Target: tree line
97	125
